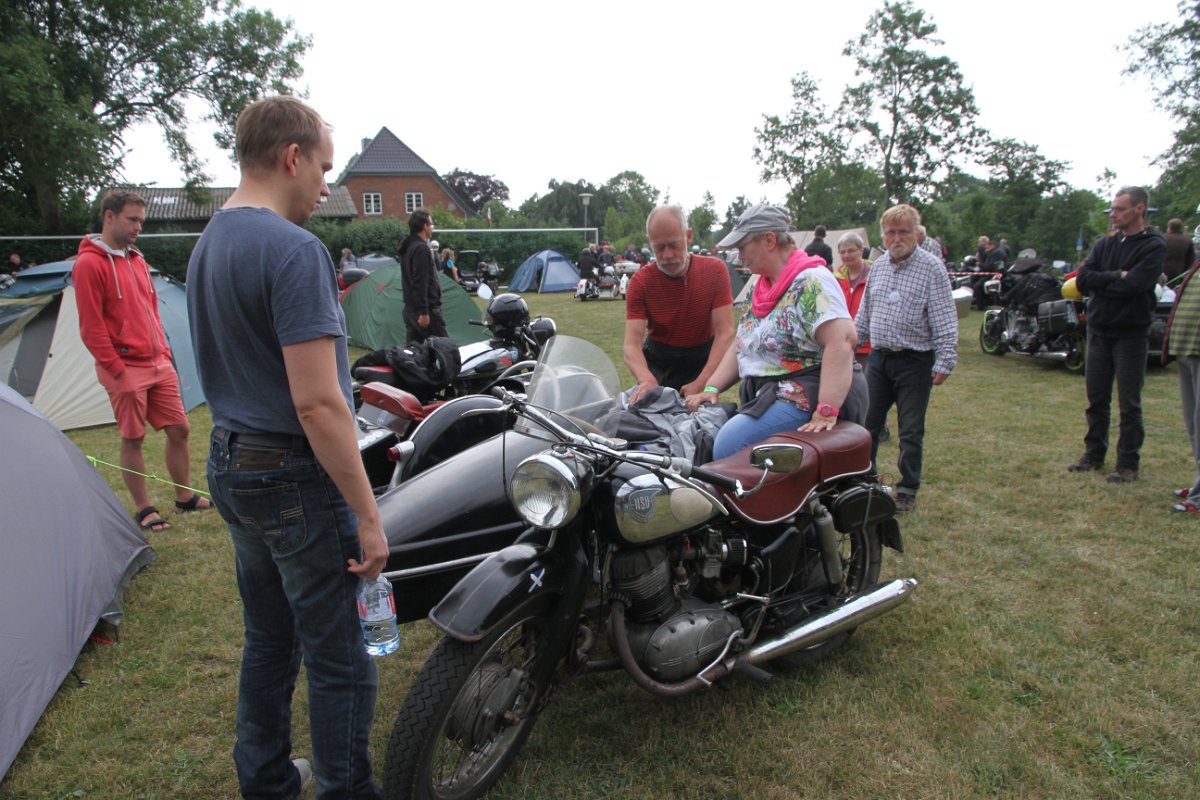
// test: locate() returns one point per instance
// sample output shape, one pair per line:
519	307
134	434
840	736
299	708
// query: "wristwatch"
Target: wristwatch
826	410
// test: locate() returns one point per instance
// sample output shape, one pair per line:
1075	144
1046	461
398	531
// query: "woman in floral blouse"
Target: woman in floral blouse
794	349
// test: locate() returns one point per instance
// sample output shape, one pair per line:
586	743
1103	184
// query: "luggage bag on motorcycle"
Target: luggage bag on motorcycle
1056	317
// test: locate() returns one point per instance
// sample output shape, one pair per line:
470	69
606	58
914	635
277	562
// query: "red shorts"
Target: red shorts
145	393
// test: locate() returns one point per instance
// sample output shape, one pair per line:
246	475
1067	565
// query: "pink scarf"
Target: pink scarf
768	292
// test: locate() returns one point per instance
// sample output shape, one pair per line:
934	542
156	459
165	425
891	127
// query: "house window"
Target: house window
372	203
413	201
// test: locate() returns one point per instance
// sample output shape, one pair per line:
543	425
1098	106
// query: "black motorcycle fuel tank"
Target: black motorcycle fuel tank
443	521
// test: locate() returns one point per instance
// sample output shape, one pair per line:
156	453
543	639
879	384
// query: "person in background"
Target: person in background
818	247
908	316
589	263
1182	340
678	311
607	256
283	459
347	261
928	243
446	261
1181	251
418	277
852	277
15	263
119	324
794	351
1118	277
630	254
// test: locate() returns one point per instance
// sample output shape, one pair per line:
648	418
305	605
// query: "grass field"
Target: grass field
1052	649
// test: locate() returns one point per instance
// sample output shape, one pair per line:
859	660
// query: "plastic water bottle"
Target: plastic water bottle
377	615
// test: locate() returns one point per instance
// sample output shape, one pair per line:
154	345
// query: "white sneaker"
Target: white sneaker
306	774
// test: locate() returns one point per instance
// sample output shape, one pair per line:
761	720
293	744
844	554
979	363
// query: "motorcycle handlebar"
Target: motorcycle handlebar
680	466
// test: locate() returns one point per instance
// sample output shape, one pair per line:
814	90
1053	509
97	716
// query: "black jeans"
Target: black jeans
1122	358
675	366
903	378
417	334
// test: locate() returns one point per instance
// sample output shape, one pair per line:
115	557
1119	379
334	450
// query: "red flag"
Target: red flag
489	209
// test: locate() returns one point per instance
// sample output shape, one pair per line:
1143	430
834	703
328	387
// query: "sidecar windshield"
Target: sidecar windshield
575	378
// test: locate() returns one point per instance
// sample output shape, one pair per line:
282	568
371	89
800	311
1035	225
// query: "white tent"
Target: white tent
45	360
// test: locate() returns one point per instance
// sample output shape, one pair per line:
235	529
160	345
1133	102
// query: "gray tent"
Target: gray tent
67	550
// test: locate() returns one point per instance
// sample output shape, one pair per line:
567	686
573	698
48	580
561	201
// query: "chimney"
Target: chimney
365	144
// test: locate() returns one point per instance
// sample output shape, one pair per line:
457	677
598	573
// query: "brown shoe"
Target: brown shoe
1085	465
1122	475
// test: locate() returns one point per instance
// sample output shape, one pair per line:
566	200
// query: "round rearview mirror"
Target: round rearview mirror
484	291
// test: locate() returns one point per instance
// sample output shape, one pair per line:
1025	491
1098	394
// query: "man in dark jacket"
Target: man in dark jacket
1181	251
818	247
1119	277
418	276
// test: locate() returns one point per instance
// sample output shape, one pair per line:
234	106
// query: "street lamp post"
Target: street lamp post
586	197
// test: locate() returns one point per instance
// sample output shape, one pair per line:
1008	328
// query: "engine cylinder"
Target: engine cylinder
644	576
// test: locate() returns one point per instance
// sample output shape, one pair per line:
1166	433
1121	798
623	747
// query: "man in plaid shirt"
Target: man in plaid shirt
908	316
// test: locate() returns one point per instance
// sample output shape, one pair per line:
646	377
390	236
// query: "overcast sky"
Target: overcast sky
535	91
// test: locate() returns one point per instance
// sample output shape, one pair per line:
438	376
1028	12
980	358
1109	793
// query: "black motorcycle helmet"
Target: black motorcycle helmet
543	328
505	314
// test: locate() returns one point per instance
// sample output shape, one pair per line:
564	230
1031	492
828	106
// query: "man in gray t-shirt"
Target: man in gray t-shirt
283	464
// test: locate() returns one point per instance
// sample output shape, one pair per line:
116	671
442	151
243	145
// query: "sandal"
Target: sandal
193	503
1186	508
1181	493
145	524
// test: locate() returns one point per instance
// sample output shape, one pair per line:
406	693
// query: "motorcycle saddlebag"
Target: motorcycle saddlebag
1057	317
861	505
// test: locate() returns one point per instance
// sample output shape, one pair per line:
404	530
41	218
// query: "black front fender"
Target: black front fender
506	580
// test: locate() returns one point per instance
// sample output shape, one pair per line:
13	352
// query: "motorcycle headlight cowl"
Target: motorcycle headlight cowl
545	490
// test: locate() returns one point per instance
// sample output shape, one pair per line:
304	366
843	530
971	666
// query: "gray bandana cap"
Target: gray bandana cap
757	218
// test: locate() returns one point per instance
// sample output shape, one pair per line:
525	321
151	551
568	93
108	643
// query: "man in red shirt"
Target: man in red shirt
678	311
119	324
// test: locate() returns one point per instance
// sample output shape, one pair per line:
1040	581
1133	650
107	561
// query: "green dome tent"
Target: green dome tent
374	309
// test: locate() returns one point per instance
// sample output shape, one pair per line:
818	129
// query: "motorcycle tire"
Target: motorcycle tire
470	711
989	337
862	555
1076	352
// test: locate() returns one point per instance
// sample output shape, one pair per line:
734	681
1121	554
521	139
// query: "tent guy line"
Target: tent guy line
96	461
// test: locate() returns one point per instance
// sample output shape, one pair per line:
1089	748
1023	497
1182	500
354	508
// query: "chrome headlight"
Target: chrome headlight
545	491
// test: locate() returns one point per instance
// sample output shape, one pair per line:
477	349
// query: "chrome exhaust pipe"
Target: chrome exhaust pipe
1051	355
874	603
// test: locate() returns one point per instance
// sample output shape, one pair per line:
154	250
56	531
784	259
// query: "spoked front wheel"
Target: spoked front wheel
469	711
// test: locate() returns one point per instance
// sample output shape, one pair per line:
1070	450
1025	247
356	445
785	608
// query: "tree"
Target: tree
842	196
1020	178
912	113
702	219
1166	55
476	189
75	76
795	147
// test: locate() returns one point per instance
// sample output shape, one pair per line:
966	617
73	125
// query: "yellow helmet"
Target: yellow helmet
1071	291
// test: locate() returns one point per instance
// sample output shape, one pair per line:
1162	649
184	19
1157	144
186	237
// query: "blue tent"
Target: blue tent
43	358
545	271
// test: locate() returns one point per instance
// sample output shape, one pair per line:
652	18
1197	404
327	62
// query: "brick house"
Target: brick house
387	179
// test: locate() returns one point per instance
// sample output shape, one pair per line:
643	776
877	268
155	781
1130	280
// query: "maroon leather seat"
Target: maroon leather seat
844	450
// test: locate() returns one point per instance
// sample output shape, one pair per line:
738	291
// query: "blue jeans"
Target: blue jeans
292	534
1123	359
744	430
903	378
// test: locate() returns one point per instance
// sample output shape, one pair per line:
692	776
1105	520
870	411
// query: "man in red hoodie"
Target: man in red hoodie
119	324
